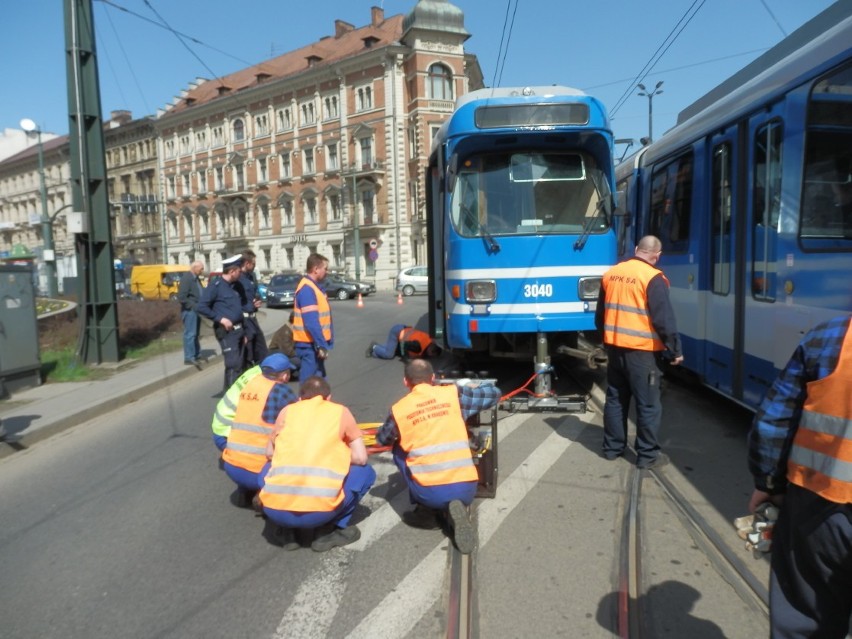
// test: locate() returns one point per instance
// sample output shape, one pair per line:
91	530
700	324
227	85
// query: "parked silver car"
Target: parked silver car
411	280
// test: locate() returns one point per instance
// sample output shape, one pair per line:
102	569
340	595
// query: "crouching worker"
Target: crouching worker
405	341
258	404
431	448
318	472
226	409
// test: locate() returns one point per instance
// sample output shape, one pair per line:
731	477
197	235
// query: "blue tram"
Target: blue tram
751	195
520	224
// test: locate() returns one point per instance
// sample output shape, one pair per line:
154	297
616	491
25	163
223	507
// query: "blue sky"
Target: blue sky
598	47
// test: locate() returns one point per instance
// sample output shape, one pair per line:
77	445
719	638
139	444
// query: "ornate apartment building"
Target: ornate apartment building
322	149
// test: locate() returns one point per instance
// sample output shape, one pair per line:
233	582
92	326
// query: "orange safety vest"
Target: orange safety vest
627	323
310	461
409	334
246	447
821	455
434	436
322	307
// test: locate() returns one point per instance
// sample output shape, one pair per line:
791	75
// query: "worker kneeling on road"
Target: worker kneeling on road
258	403
405	341
318	472
431	448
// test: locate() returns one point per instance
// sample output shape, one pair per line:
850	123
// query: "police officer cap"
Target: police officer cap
276	363
232	262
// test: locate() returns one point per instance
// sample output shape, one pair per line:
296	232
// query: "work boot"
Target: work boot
337	537
463	533
288	538
370	349
422	517
244	498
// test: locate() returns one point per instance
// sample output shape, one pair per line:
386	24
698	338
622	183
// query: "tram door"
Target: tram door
719	247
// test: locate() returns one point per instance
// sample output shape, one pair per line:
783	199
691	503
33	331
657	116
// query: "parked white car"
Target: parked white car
411	280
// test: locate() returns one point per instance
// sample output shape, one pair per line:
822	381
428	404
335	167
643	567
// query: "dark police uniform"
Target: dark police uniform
224	300
256	348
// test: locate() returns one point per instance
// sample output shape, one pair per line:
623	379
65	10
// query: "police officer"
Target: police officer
256	348
638	324
223	302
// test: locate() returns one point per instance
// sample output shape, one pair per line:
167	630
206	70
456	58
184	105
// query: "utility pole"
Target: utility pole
650	95
95	267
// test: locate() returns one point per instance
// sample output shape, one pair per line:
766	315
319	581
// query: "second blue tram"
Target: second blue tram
751	195
520	212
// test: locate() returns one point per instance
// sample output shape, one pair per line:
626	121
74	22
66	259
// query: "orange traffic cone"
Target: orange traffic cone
360	303
399	299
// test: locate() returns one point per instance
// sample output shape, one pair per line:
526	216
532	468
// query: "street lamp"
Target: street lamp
650	95
47	225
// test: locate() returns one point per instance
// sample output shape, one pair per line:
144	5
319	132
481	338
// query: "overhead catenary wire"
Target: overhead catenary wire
668	41
504	39
129	66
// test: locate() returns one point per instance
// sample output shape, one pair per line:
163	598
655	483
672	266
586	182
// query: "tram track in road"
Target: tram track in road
633	583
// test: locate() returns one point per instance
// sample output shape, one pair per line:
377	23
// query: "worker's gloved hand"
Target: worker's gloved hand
322	353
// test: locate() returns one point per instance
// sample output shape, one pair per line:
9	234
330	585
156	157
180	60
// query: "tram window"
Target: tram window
535	193
766	209
721	219
671	204
826	209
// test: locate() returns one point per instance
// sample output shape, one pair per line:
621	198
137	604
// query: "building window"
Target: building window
261	124
202	181
240	175
285	120
334	207
311	210
239	130
330	107
285	165
264	217
170	186
309	116
331	161
364	99
184	145
201	140
169	149
290	259
336	254
366	152
185	185
440	82
220	178
218	136
287	213
309	161
262	176
368	197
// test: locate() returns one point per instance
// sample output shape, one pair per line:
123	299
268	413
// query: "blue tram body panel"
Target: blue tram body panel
520	216
751	196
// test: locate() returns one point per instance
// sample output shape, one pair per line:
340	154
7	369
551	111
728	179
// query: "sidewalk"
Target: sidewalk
33	414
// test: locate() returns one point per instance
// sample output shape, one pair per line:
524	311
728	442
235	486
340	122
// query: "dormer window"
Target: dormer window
369	41
262	77
223	90
313	59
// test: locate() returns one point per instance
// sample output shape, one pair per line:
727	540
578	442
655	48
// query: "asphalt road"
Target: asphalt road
122	527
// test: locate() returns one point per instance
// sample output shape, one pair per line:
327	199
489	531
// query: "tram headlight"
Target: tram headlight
480	291
588	288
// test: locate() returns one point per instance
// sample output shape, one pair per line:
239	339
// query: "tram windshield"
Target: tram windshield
530	194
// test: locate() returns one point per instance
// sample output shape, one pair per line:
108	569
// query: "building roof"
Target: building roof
346	43
435	15
32	150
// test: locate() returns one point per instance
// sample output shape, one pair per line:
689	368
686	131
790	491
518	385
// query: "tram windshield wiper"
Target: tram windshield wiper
493	246
600	207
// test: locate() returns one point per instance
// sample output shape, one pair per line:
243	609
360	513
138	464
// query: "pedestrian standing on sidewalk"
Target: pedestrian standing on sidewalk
313	330
189	294
223	303
637	321
431	448
800	454
256	348
318	471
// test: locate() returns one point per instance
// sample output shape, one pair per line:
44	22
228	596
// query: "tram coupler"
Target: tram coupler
543	398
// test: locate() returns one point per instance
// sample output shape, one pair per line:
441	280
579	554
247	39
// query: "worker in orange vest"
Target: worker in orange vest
260	400
313	330
318	469
800	454
639	330
431	448
405	341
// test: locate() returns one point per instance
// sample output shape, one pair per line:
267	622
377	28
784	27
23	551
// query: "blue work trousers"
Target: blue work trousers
191	326
310	364
810	583
244	479
435	497
633	375
388	350
356	485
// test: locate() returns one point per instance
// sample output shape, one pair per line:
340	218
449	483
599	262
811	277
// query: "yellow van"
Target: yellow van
156	281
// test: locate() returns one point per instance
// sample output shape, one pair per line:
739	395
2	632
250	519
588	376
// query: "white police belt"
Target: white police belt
238	327
249	314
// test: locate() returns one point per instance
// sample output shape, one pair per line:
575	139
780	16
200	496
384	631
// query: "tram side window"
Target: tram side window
671	204
766	209
721	219
826	209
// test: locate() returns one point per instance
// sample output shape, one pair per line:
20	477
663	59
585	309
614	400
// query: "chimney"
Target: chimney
377	15
341	27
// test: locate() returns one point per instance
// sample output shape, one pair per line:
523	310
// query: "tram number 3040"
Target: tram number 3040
538	290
